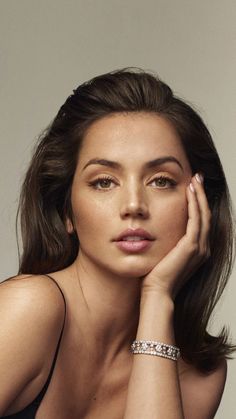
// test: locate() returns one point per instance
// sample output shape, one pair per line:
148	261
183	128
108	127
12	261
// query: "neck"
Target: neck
111	303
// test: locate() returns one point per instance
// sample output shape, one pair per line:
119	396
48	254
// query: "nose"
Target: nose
134	203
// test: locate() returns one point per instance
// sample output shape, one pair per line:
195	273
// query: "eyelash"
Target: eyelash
94	183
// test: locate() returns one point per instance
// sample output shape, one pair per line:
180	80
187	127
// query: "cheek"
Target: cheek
89	219
178	224
172	224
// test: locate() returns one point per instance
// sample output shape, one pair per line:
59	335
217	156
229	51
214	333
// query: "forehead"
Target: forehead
131	136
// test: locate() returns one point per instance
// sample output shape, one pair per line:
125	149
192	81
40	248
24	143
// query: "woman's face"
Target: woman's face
132	173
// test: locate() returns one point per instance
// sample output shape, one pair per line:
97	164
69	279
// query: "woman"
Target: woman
127	247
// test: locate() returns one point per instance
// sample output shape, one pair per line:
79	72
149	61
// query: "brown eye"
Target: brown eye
101	183
163	182
105	183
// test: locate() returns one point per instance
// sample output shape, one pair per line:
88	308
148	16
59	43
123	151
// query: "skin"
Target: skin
170	203
114	297
132	198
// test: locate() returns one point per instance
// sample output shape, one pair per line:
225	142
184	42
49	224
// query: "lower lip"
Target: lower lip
134	246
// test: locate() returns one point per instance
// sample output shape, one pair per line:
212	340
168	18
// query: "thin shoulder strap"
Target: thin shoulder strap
30	410
40	396
60	292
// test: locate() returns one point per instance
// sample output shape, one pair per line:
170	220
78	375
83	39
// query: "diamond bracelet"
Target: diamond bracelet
152	347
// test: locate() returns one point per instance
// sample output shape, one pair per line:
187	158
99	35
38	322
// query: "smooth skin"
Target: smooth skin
114	297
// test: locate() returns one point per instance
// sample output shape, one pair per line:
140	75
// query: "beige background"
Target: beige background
48	47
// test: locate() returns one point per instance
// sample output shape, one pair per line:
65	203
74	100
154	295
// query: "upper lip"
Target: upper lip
135	232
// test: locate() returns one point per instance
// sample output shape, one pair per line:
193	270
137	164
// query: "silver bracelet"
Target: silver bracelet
152	347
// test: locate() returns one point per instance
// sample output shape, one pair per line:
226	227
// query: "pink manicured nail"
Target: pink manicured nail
199	177
191	187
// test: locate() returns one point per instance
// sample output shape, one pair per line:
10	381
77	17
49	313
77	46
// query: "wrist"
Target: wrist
158	299
156	318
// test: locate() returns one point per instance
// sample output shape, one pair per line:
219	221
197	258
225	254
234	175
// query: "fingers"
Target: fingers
191	250
194	217
200	216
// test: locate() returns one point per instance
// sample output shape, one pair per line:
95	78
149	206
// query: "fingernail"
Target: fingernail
199	177
191	187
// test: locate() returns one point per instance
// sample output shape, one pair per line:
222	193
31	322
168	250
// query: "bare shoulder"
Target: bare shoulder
34	295
202	392
31	313
30	302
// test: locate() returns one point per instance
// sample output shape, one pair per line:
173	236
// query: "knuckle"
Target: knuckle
194	249
205	253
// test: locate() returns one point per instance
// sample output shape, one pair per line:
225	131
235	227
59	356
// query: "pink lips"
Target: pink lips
142	240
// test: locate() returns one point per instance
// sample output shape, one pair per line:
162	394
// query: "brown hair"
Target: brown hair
45	197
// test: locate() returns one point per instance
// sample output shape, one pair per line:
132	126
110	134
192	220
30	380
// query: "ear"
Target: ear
69	226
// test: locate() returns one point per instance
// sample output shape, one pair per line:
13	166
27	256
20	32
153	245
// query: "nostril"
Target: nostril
135	211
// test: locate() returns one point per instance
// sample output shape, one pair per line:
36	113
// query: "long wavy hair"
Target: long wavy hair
45	203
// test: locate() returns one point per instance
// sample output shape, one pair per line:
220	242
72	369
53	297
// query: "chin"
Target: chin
136	271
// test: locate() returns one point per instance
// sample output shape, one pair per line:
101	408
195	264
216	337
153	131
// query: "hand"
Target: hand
171	273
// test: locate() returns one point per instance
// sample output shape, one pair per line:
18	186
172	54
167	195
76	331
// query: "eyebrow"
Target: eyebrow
150	164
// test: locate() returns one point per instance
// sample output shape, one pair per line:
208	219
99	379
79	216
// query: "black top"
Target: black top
29	411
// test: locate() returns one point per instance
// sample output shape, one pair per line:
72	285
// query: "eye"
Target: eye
164	182
101	183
